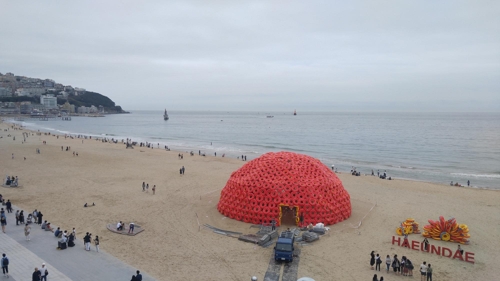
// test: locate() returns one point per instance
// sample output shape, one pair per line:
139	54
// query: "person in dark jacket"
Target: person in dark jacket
36	275
40	216
138	277
9	206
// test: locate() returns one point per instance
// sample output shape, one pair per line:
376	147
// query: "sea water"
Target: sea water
436	147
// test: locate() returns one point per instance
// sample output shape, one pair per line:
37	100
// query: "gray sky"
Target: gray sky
262	55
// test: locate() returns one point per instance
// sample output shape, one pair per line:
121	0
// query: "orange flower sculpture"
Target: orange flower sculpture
409	226
447	230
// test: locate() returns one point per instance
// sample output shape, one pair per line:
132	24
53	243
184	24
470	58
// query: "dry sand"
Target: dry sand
174	247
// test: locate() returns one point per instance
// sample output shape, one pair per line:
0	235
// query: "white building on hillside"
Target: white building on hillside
49	101
29	92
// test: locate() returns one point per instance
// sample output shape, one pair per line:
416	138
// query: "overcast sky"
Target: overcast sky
262	55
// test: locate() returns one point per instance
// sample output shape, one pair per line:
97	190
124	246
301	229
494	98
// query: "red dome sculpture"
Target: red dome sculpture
274	184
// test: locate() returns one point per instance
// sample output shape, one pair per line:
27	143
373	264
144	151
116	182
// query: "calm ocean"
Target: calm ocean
436	147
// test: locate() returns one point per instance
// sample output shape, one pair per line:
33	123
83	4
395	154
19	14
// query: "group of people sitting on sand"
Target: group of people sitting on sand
11	181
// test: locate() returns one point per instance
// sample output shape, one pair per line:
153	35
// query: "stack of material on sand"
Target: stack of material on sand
309	236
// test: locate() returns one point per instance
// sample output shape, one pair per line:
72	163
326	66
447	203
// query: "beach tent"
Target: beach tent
286	187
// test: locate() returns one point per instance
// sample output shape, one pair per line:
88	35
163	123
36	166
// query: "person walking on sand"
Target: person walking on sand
388	263
5	265
426	244
429	272
378	261
147	187
375	277
423	271
27	231
372	259
96	242
153	189
143	186
183	170
396	265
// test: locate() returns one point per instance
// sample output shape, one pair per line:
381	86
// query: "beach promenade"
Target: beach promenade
71	264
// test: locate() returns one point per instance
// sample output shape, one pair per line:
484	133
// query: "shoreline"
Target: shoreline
174	240
230	154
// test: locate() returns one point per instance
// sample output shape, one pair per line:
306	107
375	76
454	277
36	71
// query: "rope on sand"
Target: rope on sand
359	224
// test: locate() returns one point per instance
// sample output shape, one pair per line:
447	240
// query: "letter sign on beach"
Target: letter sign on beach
445	252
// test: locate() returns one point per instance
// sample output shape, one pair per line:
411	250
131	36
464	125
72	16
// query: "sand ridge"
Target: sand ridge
174	247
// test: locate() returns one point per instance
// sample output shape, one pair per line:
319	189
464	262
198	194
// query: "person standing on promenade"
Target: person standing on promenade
5	265
27	231
96	242
44	272
17	217
36	275
273	225
21	217
138	277
3	220
9	206
86	241
429	272
40	216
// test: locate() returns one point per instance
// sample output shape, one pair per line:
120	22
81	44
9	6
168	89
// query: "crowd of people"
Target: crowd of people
403	266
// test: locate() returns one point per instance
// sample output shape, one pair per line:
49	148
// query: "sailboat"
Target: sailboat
295	112
165	115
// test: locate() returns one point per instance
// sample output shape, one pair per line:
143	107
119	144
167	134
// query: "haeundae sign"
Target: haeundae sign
440	251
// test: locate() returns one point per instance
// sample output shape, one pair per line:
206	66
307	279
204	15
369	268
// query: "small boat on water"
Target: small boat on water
165	115
295	112
270	116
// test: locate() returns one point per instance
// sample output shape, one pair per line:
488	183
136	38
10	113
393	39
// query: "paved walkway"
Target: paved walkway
71	264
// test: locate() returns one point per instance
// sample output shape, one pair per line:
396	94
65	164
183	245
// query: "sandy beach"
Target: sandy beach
174	246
